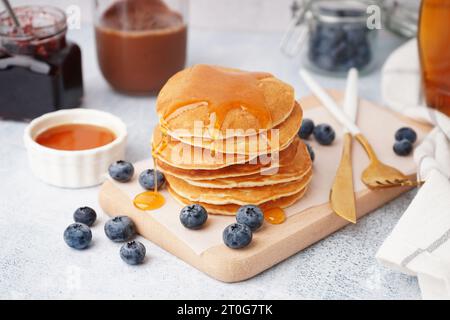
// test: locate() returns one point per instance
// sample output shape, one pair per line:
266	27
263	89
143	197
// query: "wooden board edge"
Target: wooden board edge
272	246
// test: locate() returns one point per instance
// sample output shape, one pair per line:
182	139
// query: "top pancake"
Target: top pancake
224	102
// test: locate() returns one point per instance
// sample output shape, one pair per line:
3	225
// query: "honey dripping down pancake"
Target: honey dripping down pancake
183	156
260	143
220	171
222	99
150	200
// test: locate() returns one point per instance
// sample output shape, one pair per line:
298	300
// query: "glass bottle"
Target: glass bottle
434	40
140	43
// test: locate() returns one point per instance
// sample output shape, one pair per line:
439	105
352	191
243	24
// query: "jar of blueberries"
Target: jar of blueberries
338	36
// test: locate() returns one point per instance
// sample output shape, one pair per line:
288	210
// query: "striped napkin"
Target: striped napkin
420	242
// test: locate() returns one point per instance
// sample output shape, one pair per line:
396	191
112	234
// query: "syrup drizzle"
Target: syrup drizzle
275	215
237	90
152	200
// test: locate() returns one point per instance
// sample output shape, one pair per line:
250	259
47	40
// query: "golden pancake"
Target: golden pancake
241	196
184	156
235	170
261	143
231	209
223	98
288	169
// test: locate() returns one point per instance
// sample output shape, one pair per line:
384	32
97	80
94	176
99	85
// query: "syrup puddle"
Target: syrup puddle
150	200
275	216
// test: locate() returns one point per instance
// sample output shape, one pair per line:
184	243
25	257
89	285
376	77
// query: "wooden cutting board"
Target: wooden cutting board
273	243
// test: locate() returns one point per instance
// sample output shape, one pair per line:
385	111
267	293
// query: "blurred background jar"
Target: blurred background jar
140	43
333	36
339	38
40	70
434	40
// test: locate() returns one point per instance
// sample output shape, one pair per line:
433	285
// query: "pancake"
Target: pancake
236	170
256	144
184	156
240	196
289	169
238	100
231	209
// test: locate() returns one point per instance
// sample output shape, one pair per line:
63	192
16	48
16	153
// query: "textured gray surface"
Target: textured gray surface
36	263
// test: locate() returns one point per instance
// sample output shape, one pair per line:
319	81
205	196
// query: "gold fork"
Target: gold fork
377	174
380	175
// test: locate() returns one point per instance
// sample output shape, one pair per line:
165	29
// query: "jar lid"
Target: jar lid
339	11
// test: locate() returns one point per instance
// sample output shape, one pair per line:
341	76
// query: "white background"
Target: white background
218	14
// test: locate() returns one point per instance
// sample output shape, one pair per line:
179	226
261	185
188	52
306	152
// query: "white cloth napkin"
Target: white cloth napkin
420	242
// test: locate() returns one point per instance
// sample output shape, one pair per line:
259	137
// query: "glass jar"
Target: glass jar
339	38
332	35
140	43
40	71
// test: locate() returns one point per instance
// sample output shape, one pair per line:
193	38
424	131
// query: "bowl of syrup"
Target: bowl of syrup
73	148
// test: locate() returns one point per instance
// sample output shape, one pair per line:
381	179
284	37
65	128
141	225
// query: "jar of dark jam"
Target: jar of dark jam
40	71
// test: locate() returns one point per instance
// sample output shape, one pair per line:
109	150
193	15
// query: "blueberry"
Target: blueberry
251	216
147	179
403	147
78	236
85	215
237	235
133	252
120	228
306	129
324	134
406	133
312	155
121	171
193	216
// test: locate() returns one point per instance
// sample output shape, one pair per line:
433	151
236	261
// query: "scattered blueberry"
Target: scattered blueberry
312	155
237	235
133	252
78	236
85	215
324	134
403	147
147	179
193	216
251	216
121	171
306	129
406	133
120	228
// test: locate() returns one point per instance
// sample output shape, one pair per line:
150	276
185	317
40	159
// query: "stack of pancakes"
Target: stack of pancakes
228	138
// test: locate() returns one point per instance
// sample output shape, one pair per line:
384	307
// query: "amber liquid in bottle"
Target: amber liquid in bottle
434	49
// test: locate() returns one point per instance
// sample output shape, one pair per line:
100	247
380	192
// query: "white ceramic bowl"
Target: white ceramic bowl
74	169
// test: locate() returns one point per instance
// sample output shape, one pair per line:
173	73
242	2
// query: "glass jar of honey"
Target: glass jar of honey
40	71
434	39
140	43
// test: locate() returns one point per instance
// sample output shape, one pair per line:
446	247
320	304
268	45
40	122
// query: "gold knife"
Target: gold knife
342	196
